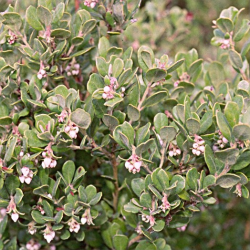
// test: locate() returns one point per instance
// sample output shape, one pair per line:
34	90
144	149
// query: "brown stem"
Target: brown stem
77	5
115	175
137	238
144	97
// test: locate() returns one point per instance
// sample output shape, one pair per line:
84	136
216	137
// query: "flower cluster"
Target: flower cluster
183	78
148	219
173	150
33	245
74	226
26	176
198	145
220	143
133	164
225	44
62	116
48	233
73	69
161	65
49	161
91	3
12	37
72	130
165	203
42	72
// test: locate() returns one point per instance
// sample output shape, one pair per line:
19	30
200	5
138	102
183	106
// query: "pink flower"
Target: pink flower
48	234
74	225
198	145
133	164
26	176
33	245
41	73
165	203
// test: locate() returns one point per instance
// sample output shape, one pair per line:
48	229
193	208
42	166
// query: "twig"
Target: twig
137	238
144	96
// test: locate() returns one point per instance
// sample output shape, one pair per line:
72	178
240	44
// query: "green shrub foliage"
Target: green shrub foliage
103	147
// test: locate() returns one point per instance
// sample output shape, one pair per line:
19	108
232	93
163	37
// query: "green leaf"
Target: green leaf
210	160
193	125
175	66
81	118
192	179
44	15
90	192
10	150
216	73
12	183
120	242
131	208
227	180
206	121
18	196
243	30
33	140
12	20
225	24
47	208
127	130
235	59
133	113
155	75
155	99
110	121
242	132
118	67
58	13
142	134
159	225
242	161
102	66
168	133
138	185
60	33
228	156
160	120
223	125
103	46
37	217
160	179
146	245
68	171
145	58
32	18
88	26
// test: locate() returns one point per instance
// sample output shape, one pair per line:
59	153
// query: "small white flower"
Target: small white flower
21	154
83	220
106	89
123	89
46	162
49	234
14	216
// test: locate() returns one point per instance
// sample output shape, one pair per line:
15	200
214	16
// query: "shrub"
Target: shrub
103	151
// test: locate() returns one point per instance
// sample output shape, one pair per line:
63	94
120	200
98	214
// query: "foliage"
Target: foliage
103	150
